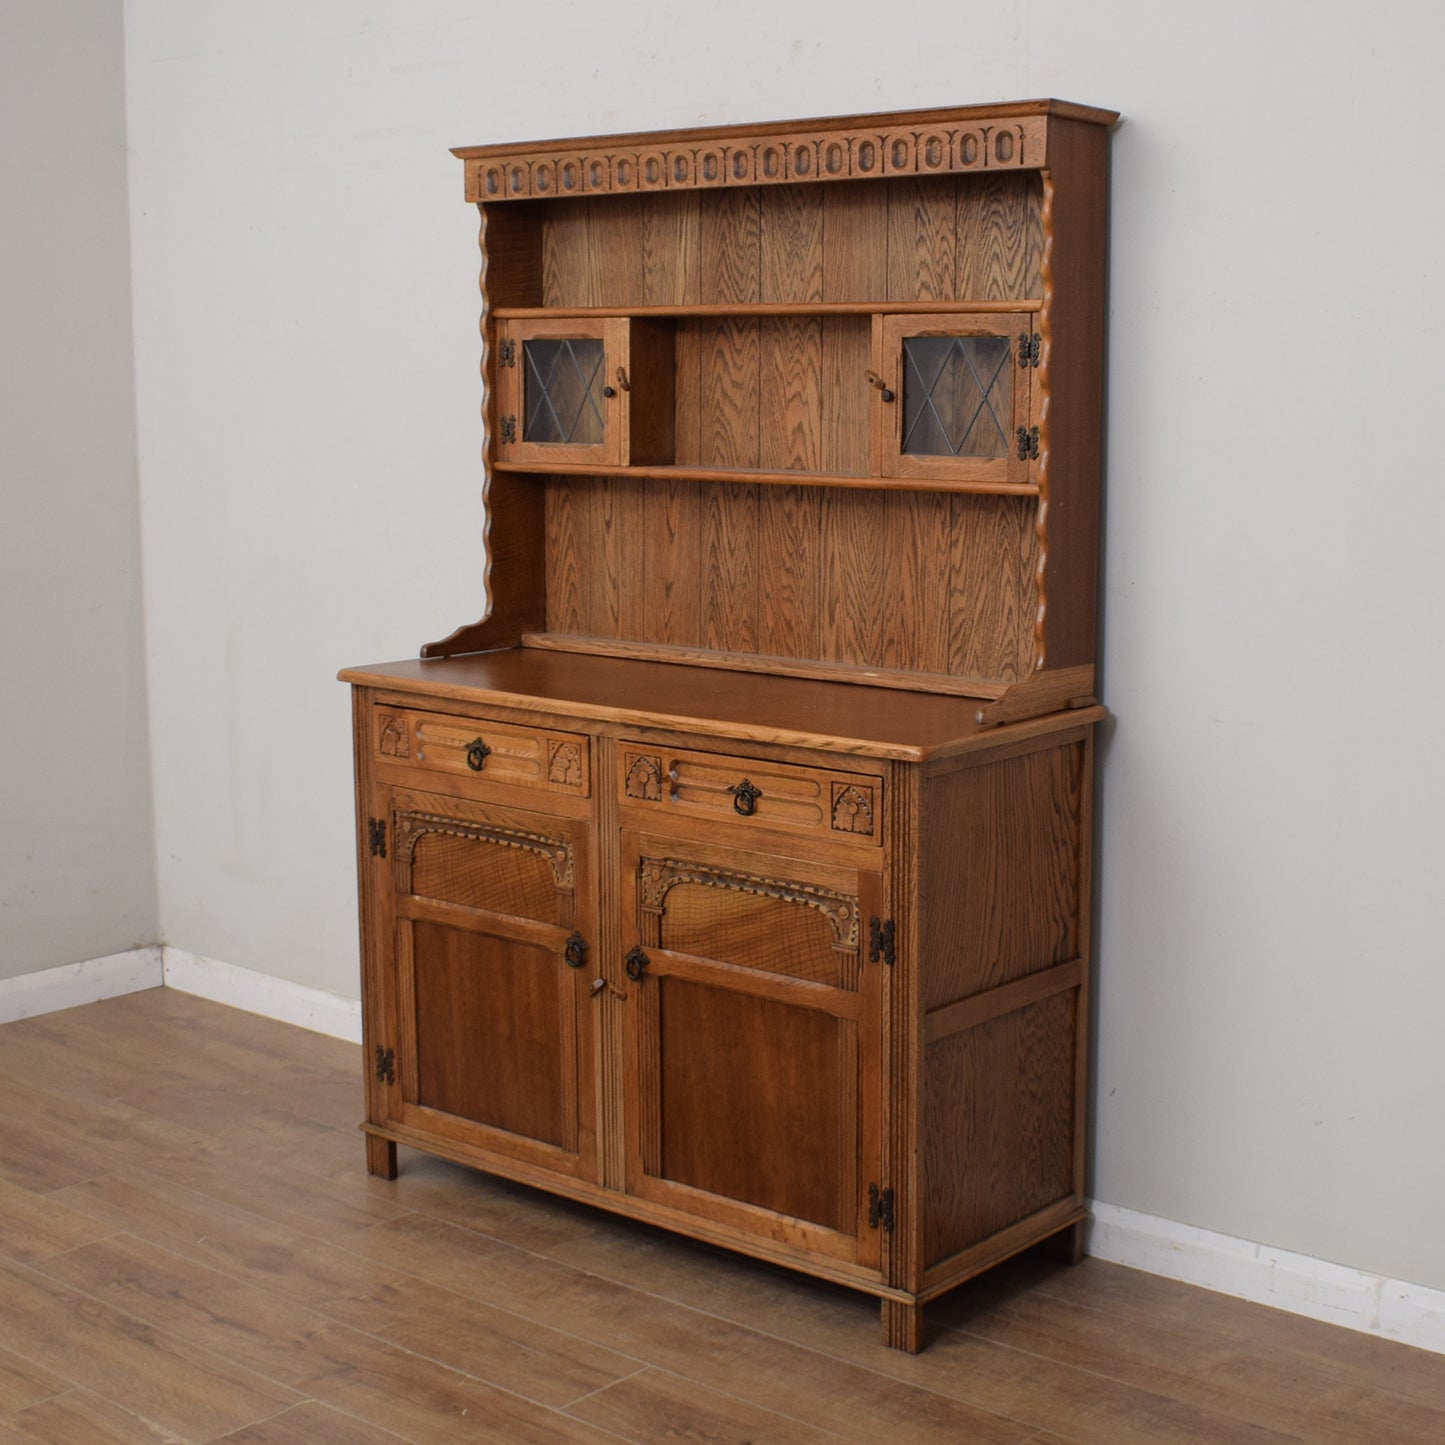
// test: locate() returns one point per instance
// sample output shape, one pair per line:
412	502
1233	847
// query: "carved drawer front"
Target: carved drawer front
489	752
658	782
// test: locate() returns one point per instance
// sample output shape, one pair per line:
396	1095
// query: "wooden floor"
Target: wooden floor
190	1249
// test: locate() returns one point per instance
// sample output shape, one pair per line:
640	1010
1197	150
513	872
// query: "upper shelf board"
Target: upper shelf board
973	138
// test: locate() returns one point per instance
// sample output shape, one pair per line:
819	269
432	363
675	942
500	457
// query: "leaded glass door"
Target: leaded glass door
561	387
958	398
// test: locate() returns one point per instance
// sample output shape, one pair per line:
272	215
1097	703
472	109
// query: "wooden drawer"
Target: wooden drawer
846	807
477	748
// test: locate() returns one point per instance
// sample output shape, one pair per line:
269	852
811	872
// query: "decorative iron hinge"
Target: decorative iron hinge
1030	348
506	353
1028	442
880	940
509	429
376	828
385	1065
880	1208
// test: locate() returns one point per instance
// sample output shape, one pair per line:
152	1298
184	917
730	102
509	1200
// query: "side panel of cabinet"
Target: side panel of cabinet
753	1042
485	917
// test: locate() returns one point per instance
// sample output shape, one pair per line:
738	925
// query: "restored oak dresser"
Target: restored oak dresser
733	872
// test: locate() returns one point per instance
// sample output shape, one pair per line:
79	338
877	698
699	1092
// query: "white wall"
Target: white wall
77	860
1270	979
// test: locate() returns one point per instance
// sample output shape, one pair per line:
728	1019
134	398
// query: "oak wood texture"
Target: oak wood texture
454	1306
736	881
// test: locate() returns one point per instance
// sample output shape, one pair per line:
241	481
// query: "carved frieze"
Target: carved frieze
412	826
658	876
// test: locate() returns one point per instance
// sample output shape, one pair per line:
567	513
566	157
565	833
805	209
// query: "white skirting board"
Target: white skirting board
72	984
1389	1308
1393	1309
259	993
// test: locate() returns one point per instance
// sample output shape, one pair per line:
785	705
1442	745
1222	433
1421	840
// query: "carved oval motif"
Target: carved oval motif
800	160
652	171
597	174
835	158
681	169
542	177
933	152
492	181
569	175
740	164
900	153
771	162
624	172
709	165
968	148
1003	147
865	156
517	180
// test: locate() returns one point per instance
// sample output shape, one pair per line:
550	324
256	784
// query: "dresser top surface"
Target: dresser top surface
866	721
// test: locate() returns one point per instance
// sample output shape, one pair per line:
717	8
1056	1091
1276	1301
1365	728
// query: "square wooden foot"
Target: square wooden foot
380	1157
903	1325
1067	1246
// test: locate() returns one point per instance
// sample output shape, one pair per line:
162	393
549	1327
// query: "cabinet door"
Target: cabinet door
961	391
559	392
753	1042
489	919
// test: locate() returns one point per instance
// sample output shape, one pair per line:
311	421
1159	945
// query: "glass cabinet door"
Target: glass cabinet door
561	388
956	402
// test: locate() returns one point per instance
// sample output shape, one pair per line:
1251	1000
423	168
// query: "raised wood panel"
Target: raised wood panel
1000	237
1000	858
490	1031
753	1101
998	1124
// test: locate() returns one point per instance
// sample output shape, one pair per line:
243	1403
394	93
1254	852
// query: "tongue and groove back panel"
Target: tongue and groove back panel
898	581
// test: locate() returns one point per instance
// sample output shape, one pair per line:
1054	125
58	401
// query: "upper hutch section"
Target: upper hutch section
816	397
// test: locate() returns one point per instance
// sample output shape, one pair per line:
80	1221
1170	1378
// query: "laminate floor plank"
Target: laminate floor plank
161	1377
312	1424
775	1374
315	1357
82	1416
191	1250
654	1407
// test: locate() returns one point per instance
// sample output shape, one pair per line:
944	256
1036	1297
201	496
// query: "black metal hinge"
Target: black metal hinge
880	940
880	1208
506	353
376	828
385	1065
1028	442
1030	348
509	429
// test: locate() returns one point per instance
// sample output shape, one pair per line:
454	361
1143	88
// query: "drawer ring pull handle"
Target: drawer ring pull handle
477	754
635	962
745	798
575	951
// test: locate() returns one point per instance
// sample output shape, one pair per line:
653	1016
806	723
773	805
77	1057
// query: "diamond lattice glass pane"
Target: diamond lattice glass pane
562	391
957	396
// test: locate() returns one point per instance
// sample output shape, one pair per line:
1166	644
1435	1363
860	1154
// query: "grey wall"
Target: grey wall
1270	980
77	857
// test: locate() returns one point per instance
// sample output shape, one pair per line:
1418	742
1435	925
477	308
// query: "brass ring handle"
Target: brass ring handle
477	754
575	951
635	962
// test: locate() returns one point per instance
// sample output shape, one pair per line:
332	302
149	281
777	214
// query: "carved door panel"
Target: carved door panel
753	1042
490	918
